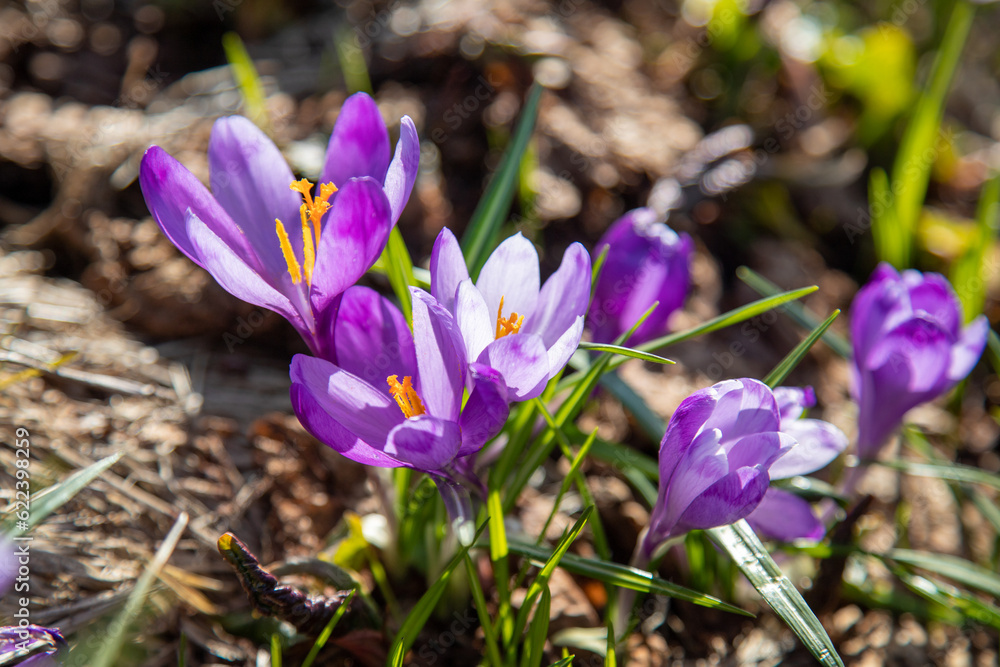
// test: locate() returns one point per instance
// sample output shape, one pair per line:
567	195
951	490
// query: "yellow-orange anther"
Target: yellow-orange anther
311	211
286	250
510	325
406	396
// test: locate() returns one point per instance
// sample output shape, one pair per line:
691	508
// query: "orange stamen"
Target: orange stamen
406	396
511	325
312	211
286	250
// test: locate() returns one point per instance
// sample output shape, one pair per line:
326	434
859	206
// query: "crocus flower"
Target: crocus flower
782	515
909	348
269	239
714	459
395	399
30	646
646	262
543	324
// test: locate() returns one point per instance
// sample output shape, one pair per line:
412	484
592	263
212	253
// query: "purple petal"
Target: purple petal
357	406
486	411
403	169
448	269
728	500
819	442
372	339
171	191
907	367
328	431
425	442
440	357
784	516
522	360
759	449
703	465
969	347
235	276
250	179
560	352
359	145
473	319
793	401
687	420
879	306
748	406
354	235
8	564
511	272
931	295
563	298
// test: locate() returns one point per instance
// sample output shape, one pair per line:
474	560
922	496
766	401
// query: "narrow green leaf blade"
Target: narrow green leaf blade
247	80
484	225
538	631
788	364
624	576
969	273
418	616
950	471
764	574
47	501
324	636
399	270
952	567
625	352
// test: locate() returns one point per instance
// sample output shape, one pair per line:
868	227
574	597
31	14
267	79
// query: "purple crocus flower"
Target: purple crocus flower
646	262
714	459
267	238
395	399
909	348
782	515
543	325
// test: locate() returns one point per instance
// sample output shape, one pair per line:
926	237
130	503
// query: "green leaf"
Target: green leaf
764	574
969	274
352	62
788	364
953	567
624	576
794	310
538	631
328	630
47	501
950	471
912	168
625	352
246	78
399	269
482	610
484	226
418	616
109	651
564	662
892	242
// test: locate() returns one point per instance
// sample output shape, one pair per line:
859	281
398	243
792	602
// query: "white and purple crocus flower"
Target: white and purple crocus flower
714	460
909	348
781	514
270	239
507	319
647	262
395	399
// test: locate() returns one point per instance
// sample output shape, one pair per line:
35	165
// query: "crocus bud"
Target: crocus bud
909	348
714	459
646	262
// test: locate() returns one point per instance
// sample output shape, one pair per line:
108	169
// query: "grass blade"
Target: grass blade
247	80
955	568
764	574
892	242
954	472
418	616
794	310
479	598
352	62
969	274
625	352
47	501
911	169
788	364
538	631
112	646
624	576
328	630
484	226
